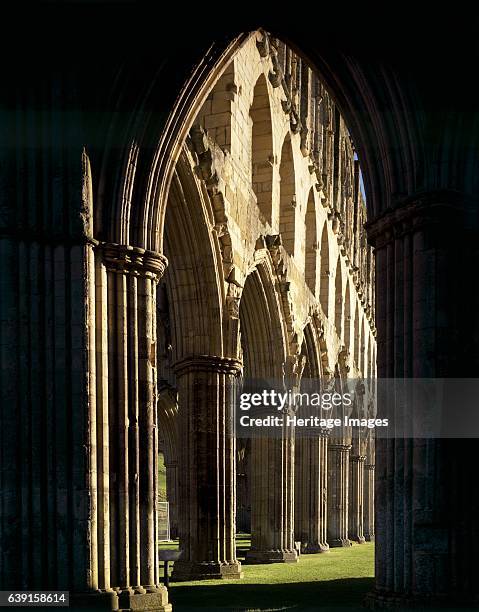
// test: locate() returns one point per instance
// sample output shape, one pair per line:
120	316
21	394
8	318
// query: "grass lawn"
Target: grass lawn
338	579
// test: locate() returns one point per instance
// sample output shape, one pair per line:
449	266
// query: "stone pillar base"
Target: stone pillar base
255	557
340	543
358	540
184	571
369	537
134	600
312	548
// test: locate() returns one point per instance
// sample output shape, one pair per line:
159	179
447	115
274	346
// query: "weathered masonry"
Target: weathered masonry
272	160
174	221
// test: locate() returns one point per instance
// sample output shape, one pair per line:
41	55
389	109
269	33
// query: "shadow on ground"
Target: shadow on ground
347	594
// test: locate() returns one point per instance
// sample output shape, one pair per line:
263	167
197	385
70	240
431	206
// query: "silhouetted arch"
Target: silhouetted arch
324	278
311	244
287	197
262	148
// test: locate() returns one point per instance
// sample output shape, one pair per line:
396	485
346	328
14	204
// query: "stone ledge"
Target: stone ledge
271	556
126	600
184	571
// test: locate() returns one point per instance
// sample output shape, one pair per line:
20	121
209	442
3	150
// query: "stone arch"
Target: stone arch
311	243
356	336
311	350
262	332
262	157
168	431
338	301
194	290
347	317
287	197
325	270
265	351
364	347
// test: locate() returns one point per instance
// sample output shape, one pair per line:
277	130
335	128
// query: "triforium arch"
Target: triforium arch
311	245
287	197
100	258
262	158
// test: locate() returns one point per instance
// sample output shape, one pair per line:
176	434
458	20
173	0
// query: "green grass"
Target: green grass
338	579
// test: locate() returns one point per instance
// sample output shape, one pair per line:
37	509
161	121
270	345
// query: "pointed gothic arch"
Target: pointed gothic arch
287	197
262	157
338	298
311	244
324	285
347	317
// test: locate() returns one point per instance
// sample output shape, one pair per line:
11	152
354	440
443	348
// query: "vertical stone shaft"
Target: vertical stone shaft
356	501
206	461
126	449
420	334
338	494
369	502
272	509
148	430
310	496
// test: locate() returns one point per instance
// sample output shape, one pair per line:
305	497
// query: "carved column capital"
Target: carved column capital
358	458
415	213
127	259
208	363
342	448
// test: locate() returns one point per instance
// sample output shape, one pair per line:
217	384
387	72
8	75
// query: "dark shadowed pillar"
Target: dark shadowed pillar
425	508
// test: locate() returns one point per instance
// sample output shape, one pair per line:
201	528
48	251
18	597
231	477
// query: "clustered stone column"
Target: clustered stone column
125	456
310	497
206	462
356	493
272	498
338	493
425	504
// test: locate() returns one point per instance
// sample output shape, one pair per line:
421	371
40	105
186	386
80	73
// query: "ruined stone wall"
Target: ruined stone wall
284	164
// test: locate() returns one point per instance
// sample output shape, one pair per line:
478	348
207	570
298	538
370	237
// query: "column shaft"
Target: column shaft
272	499
338	494
310	495
356	501
207	481
369	502
422	333
126	457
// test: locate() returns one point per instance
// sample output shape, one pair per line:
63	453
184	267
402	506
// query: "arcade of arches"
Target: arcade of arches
266	199
241	251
